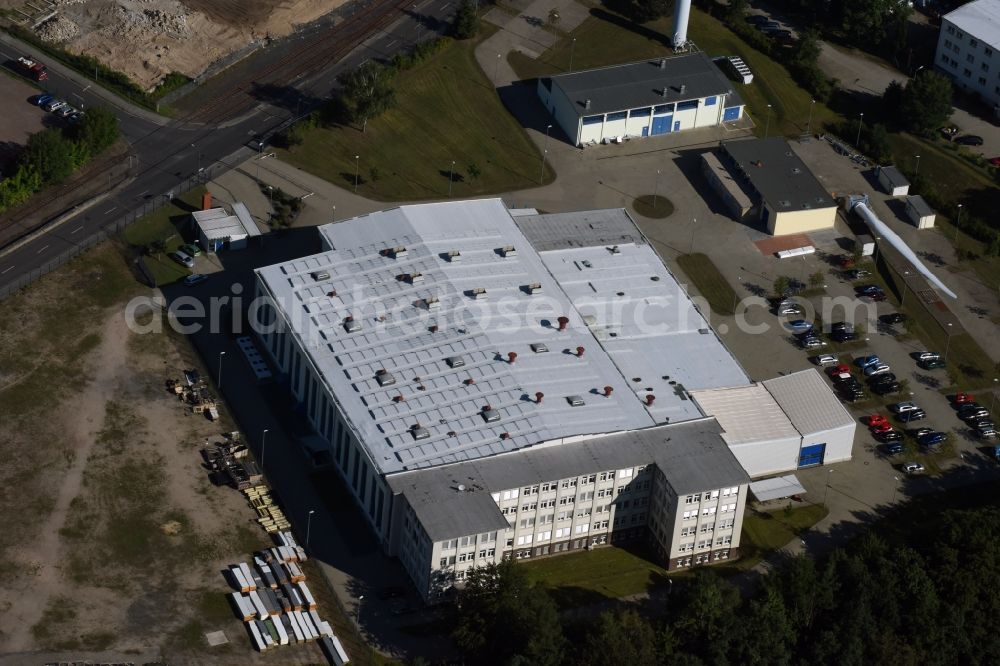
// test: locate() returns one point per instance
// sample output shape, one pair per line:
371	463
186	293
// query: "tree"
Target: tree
98	130
876	143
817	279
504	619
374	174
619	638
51	154
993	249
782	285
926	102
892	98
474	171
466	23
873	22
367	93
158	247
643	11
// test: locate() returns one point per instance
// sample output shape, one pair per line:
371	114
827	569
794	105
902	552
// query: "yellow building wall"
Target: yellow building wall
801	221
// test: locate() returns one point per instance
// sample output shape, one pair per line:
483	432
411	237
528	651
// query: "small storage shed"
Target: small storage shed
217	229
893	181
919	212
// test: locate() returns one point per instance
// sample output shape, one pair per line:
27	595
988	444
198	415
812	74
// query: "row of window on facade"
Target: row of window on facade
973	42
567	483
647	111
967	73
691	514
705	543
568	515
707	527
703	557
712	495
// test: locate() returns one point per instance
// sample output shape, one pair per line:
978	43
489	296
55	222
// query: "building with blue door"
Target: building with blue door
640	99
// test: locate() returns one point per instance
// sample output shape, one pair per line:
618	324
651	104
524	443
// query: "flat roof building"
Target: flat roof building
968	50
640	99
893	181
218	229
460	344
789	198
919	212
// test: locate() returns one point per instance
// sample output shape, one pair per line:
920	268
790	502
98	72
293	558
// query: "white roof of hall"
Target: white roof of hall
980	19
746	413
414	341
808	402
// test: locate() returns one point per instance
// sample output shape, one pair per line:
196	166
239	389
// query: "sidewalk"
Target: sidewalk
85	83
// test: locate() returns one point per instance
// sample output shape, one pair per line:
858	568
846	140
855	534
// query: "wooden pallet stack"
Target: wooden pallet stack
269	515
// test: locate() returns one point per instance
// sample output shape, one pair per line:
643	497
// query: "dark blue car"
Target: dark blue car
932	438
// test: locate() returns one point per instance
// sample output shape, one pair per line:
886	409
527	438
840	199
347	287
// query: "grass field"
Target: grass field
607	39
166	224
709	282
447	120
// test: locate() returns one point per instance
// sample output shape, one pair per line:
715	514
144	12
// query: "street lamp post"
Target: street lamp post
861	120
993	399
496	71
895	487
958	221
309	522
947	344
545	151
451	177
902	296
334	214
736	296
767	123
219	383
572	50
357	171
263	447
694	222
809	122
358	616
656	188
916	170
827	489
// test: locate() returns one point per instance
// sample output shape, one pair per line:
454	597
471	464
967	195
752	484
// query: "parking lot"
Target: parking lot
21	118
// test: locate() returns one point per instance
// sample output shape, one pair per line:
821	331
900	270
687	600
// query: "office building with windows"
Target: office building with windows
967	49
491	383
640	99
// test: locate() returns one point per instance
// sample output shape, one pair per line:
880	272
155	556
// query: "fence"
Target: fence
115	228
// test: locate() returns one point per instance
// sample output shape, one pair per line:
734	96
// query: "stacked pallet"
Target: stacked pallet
269	515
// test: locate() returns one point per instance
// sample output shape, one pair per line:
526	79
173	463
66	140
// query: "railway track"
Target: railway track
317	51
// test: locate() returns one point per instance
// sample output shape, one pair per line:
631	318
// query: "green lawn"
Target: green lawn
167	223
771	530
600	41
447	116
709	282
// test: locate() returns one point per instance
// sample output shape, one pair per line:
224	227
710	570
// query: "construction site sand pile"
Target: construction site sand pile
58	29
148	39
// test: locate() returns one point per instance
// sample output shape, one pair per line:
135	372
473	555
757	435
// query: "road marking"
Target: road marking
87	88
445	6
391	43
6	269
42	250
111	210
77	229
141	193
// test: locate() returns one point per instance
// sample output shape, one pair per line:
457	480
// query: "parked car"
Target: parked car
191	250
65	111
876	369
886	388
857	274
962	398
968	406
893	448
799	325
843	336
194	278
841	326
969	140
913	468
43	99
912	415
865	361
979	413
811	342
841	371
881	378
900	407
995	161
866	289
75	117
877	296
875	419
791	309
931	364
757	19
985	429
182	259
825	359
893	318
889	436
882	426
932	438
54	105
927	356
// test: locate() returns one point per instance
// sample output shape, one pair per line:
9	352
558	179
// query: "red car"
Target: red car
962	398
838	371
879	428
995	161
876	420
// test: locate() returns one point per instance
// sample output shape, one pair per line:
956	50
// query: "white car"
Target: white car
825	359
928	356
54	105
901	407
913	468
182	259
876	369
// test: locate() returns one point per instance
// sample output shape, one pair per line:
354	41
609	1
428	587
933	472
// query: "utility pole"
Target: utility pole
656	188
451	177
572	52
219	383
767	124
861	120
545	150
357	171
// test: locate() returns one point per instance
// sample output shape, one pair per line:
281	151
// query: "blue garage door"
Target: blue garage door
732	113
661	124
812	455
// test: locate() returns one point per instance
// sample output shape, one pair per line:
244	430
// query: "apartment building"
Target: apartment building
967	49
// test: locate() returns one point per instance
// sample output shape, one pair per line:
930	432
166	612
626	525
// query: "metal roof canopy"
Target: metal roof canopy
778	487
691	455
746	413
980	19
894	176
919	205
645	83
780	177
808	402
216	223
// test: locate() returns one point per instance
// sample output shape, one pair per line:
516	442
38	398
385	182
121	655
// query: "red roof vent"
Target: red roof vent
563	323
511	357
608	390
650	399
538	397
579	351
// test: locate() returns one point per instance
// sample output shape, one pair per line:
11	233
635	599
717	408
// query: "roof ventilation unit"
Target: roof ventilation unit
477	293
575	401
663	63
490	415
320	275
614	249
683	88
539	347
455	361
453	256
586	103
419	432
534	288
397	252
508	251
432	302
351	325
384	378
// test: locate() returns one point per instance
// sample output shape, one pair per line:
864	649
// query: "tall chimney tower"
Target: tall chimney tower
682	10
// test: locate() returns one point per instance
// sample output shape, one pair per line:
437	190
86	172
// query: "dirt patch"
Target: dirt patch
770	246
148	39
21	119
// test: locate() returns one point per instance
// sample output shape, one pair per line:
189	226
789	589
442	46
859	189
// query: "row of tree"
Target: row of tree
926	598
52	155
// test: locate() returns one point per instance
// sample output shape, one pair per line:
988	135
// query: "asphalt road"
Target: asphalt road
169	153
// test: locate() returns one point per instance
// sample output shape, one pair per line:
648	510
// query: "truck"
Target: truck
32	69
